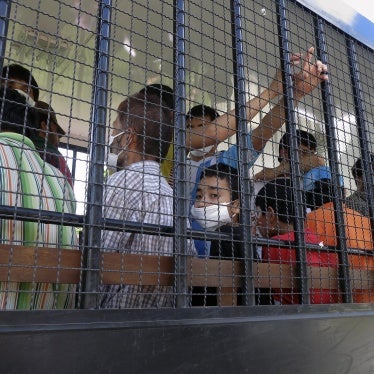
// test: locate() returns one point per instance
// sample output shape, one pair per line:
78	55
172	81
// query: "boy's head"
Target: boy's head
19	78
197	117
305	140
274	205
219	185
357	172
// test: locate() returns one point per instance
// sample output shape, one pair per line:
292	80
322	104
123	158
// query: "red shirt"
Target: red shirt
314	258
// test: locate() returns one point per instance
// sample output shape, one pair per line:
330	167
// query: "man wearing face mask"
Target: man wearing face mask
139	193
20	79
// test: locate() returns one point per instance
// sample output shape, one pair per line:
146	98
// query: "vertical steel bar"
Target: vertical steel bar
5	6
181	203
243	154
285	54
74	164
362	126
333	153
96	173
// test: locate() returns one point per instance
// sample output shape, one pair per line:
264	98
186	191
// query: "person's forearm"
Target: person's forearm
225	125
310	161
267	174
269	125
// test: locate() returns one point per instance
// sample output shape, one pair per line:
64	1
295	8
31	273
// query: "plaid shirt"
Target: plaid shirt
138	193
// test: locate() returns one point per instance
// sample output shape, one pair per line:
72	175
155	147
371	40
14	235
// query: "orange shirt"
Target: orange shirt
358	232
357	227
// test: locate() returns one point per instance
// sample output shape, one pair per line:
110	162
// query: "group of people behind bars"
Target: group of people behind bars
140	190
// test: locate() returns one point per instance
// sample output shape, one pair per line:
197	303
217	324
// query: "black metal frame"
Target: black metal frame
93	221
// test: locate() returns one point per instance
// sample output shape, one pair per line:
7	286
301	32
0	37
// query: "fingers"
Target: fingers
310	54
321	70
295	58
308	59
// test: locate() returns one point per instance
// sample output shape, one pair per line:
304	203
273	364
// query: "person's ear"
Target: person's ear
235	207
43	126
127	138
272	216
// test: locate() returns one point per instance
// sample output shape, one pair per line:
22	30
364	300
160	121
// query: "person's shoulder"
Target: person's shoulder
15	139
311	237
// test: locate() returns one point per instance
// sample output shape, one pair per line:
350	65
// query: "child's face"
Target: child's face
196	122
266	222
212	190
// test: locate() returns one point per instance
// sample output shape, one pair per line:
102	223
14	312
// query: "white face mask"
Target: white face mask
112	158
213	216
201	151
29	99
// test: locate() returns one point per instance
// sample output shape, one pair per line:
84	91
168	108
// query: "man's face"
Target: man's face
117	129
123	140
51	133
15	84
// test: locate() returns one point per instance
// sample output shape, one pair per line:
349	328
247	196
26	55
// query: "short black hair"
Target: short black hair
16	115
163	91
303	137
151	123
18	72
357	168
278	194
202	111
224	172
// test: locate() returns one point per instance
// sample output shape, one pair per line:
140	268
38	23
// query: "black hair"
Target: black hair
163	91
202	111
278	194
18	72
303	137
357	168
16	115
322	193
224	172
150	121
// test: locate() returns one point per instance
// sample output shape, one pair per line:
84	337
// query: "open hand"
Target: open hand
311	75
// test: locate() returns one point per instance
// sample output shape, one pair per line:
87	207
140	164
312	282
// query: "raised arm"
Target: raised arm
311	75
308	162
225	125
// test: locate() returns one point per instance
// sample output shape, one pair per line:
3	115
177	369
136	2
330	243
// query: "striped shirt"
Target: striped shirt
29	182
139	193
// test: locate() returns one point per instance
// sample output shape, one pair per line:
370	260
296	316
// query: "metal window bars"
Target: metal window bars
195	83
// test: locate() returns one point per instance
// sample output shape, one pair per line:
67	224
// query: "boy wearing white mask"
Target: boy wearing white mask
217	207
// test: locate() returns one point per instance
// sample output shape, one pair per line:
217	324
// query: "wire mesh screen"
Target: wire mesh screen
183	154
